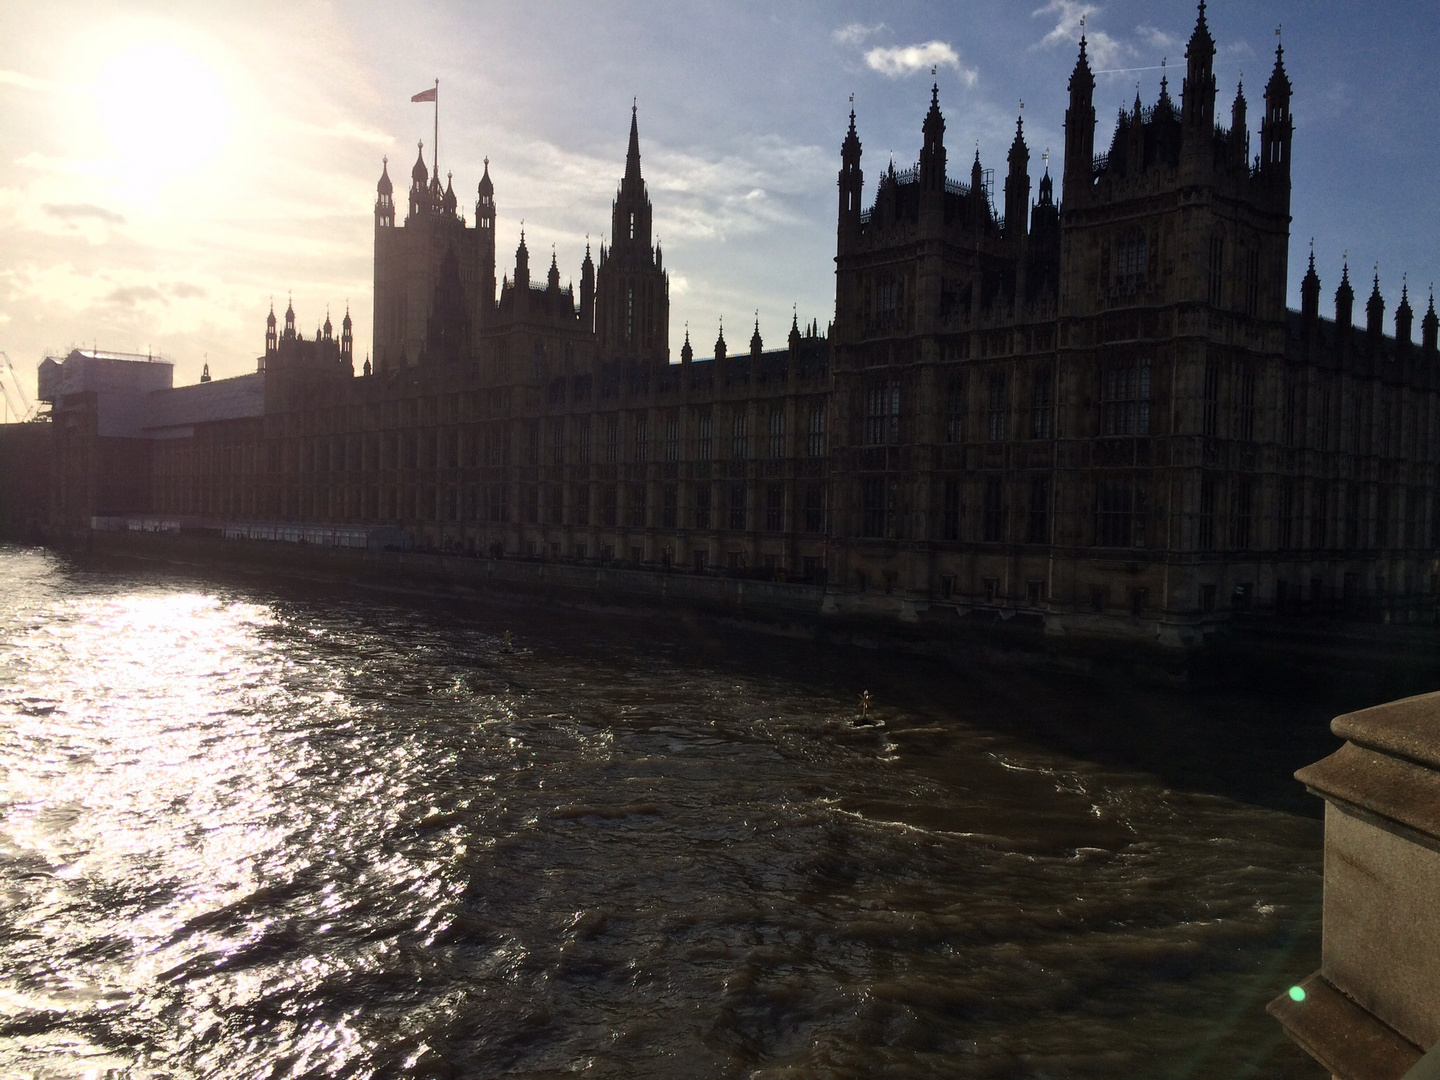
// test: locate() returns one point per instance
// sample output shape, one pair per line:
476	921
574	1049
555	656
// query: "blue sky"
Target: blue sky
166	169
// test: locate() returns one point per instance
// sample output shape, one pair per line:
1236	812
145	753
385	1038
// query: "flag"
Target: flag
425	95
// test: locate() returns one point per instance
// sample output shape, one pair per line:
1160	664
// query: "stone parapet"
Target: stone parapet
1373	1006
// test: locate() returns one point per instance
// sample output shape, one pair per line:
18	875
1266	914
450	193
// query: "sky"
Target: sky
169	168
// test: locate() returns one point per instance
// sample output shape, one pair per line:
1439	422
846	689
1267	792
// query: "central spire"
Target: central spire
632	155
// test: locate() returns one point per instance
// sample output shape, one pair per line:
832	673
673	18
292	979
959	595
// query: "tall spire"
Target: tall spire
632	155
1080	129
1198	94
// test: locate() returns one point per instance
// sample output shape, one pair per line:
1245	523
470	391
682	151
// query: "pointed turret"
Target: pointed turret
1198	94
1374	318
1080	130
290	321
1017	185
1276	130
756	344
347	339
327	332
794	340
1430	329
450	202
1239	145
552	282
419	182
205	373
632	152
687	354
1310	294
979	204
851	182
272	339
384	197
522	264
1404	320
932	153
1344	306
587	292
720	342
485	226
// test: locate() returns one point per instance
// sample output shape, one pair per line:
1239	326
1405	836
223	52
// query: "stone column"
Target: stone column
1374	1005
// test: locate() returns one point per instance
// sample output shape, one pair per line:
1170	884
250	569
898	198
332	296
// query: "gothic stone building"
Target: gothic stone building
1095	409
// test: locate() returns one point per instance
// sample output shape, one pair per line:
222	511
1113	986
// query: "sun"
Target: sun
166	113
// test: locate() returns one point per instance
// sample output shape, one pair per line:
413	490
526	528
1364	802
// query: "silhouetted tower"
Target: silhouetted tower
1374	319
290	321
851	182
1430	330
1310	297
1197	95
632	309
384	198
272	339
419	197
932	151
1017	186
1079	131
1344	310
347	340
485	226
1239	145
1276	129
1404	322
587	292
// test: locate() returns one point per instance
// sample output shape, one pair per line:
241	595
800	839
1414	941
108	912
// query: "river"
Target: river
252	830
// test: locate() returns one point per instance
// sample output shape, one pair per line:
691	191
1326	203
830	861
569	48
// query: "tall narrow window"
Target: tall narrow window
1125	398
994	516
1217	269
774	508
1252	282
1285	531
1205	519
872	507
1040	403
1131	260
557	440
632	225
998	405
612	439
642	439
1210	402
955	408
814	508
702	506
583	423
739	442
951	509
1039	532
882	413
1245	404
777	434
1241	500
672	438
1120	513
815	444
1322	421
737	506
704	439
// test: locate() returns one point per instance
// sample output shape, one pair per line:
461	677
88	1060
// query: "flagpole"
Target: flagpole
435	143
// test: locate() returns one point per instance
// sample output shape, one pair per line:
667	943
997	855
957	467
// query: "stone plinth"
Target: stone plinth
1374	1005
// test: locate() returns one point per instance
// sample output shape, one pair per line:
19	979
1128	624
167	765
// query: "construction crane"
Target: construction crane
28	412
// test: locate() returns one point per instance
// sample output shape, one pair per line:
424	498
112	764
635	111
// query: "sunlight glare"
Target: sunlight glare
166	112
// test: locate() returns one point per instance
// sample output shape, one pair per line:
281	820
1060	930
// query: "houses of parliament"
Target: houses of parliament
1082	398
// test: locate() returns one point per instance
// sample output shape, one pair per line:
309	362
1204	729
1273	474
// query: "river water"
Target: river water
258	831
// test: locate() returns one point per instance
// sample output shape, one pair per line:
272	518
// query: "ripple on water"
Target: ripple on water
253	834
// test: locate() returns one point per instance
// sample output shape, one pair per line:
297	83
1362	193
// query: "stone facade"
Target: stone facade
1096	409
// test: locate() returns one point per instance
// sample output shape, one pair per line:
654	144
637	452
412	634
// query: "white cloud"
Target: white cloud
897	61
856	32
1157	38
1104	50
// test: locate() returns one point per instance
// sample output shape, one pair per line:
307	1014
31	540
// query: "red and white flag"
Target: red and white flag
425	95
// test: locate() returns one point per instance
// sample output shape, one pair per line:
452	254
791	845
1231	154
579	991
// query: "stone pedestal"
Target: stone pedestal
1374	1005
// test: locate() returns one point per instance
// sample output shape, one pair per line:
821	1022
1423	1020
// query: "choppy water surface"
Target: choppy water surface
267	834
